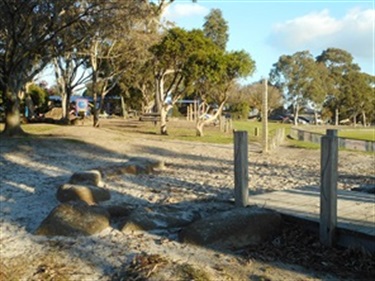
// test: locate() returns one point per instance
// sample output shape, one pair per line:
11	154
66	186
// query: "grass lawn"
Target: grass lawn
186	131
361	134
183	130
346	132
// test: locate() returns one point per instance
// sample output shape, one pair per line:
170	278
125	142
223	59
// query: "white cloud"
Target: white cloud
176	11
319	30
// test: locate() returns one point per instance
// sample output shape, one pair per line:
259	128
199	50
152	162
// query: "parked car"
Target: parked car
279	118
300	119
303	120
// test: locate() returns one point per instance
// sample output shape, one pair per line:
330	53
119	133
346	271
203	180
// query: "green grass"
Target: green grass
359	134
212	133
303	144
185	131
38	128
34	128
346	132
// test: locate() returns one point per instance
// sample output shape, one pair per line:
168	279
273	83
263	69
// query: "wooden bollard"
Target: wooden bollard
241	169
328	188
256	131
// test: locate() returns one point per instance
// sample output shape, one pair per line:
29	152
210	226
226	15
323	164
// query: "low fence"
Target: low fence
277	139
347	143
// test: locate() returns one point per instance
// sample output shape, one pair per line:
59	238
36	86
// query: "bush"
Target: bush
39	97
240	110
176	112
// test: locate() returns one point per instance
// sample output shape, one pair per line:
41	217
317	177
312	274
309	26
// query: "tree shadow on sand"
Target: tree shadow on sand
32	168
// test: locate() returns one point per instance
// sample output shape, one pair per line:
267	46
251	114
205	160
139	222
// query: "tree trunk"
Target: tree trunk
163	119
364	118
355	120
336	117
12	114
159	80
123	108
64	107
316	117
101	105
295	119
96	123
201	122
199	129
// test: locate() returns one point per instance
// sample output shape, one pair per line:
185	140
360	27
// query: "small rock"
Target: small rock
92	177
74	219
89	194
135	166
158	218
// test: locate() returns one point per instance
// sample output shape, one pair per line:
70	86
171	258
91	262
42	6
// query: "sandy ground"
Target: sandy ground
32	168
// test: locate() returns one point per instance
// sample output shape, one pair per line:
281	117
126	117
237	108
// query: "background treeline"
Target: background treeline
123	48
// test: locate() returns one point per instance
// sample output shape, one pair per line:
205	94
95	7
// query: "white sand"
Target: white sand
32	169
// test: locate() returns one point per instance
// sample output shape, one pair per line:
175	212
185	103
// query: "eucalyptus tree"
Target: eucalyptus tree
294	75
137	81
214	73
118	47
216	28
171	67
358	91
254	95
339	63
69	65
111	40
318	88
28	29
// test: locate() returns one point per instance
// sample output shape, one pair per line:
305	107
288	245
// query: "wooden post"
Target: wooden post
221	123
328	188
241	169
195	114
256	131
265	118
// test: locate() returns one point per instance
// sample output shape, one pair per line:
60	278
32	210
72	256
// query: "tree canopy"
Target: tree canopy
216	28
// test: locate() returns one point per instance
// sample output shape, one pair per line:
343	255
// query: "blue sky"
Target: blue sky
269	29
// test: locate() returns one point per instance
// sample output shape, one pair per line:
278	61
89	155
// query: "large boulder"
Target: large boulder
158	218
368	188
89	194
135	166
233	229
92	177
120	210
74	219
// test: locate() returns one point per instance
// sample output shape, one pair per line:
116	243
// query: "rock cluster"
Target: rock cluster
80	213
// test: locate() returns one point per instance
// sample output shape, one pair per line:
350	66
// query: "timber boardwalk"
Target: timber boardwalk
355	211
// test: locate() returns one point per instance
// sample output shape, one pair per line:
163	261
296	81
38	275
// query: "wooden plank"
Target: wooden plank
355	212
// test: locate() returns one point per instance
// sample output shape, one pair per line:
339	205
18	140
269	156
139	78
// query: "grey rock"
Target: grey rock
92	177
233	229
118	211
135	166
89	194
74	219
368	188
158	218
